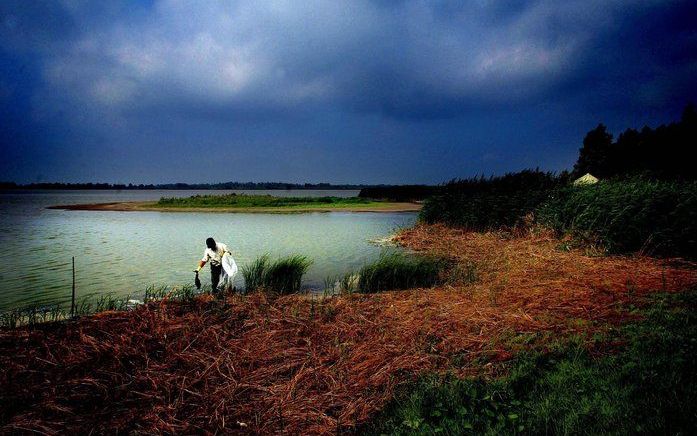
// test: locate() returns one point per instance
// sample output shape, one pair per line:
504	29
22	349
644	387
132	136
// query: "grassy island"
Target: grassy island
244	200
263	201
252	203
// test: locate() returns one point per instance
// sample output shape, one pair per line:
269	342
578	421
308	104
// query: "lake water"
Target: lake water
121	253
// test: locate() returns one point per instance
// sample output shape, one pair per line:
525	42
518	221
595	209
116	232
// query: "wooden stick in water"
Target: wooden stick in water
72	300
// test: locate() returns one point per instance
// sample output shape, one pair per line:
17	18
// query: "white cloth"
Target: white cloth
227	278
215	256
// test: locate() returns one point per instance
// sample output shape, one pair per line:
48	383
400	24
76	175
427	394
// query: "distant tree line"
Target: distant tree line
202	186
664	153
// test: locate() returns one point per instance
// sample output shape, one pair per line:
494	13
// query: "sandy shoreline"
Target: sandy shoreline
151	206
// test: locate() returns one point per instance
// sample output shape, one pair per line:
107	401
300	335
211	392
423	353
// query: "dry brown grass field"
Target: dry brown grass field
311	365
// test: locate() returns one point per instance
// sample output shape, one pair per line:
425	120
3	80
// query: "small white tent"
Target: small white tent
587	179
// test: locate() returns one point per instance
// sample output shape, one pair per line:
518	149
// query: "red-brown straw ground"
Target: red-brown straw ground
297	365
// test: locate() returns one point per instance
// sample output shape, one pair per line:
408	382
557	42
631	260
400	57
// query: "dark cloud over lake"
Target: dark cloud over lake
304	91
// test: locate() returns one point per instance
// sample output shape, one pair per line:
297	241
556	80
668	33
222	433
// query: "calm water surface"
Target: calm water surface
122	252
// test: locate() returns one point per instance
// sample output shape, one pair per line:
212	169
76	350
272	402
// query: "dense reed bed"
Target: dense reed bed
618	215
627	215
303	365
490	203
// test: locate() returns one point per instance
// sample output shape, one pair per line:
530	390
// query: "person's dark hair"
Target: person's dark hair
210	243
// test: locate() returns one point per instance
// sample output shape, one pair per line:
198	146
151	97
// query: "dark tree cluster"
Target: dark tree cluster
666	152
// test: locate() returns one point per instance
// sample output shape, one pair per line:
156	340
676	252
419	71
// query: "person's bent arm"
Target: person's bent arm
201	263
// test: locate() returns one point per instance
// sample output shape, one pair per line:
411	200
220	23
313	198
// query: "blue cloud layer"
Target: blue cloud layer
363	91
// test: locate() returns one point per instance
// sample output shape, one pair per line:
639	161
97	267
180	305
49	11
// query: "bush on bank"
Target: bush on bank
396	270
283	276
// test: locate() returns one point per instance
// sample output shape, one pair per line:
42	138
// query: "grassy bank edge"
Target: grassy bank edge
639	378
393	270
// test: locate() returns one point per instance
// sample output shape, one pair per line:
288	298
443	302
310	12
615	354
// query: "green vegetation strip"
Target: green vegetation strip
649	386
620	215
254	201
627	215
396	270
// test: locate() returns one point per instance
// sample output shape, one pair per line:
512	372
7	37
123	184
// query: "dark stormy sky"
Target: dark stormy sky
338	91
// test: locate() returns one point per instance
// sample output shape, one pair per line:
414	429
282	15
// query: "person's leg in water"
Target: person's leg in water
215	277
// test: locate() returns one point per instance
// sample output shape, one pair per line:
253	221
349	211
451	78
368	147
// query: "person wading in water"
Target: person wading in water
214	253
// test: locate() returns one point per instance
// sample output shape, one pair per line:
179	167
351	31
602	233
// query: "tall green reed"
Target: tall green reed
655	217
396	270
283	276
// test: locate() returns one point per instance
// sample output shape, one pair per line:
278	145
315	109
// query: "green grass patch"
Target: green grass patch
262	201
283	276
395	270
648	387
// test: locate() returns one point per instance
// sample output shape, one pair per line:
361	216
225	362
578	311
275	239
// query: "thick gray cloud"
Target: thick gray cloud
339	91
271	55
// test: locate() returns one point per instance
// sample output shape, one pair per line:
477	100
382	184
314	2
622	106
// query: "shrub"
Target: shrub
395	270
283	276
254	273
